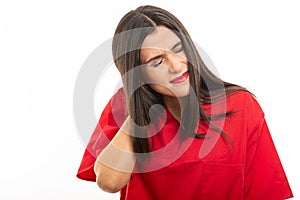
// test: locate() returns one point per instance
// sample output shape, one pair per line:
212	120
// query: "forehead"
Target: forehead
161	38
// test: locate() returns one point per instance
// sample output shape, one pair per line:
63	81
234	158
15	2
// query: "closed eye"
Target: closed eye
157	60
177	50
177	47
157	63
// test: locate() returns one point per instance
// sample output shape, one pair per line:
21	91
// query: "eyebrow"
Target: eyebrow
161	55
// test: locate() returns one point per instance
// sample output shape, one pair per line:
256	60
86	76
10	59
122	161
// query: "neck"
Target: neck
175	105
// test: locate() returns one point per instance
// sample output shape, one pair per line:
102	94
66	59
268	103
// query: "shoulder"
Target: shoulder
244	101
115	110
246	110
238	101
119	95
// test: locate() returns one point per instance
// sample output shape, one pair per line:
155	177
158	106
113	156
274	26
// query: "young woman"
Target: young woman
175	130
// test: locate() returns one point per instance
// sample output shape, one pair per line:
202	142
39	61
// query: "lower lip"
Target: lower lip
181	79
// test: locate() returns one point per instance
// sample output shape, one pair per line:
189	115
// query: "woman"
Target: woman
176	130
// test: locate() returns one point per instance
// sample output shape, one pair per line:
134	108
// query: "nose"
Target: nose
174	62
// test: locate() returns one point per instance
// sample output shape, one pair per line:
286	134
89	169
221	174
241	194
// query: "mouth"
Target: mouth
180	79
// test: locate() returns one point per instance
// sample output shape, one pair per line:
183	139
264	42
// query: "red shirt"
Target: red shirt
248	167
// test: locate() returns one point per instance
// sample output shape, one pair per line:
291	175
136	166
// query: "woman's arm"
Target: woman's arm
115	163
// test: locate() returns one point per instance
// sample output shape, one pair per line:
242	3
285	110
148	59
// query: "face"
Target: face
166	68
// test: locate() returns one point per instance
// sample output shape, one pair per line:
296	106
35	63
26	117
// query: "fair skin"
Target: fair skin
113	176
166	72
164	59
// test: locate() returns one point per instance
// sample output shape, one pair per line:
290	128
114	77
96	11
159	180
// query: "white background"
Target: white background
44	44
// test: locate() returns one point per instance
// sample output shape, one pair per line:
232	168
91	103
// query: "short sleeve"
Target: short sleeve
264	175
111	118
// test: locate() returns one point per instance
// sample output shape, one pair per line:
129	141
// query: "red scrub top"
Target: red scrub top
248	167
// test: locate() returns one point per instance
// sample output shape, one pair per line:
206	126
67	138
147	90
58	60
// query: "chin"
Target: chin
182	92
178	92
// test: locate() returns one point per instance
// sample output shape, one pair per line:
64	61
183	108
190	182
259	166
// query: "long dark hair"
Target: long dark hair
207	87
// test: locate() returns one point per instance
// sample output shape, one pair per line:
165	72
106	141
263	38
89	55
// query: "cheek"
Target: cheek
155	77
157	82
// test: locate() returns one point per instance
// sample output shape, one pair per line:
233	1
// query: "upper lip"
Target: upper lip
177	77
